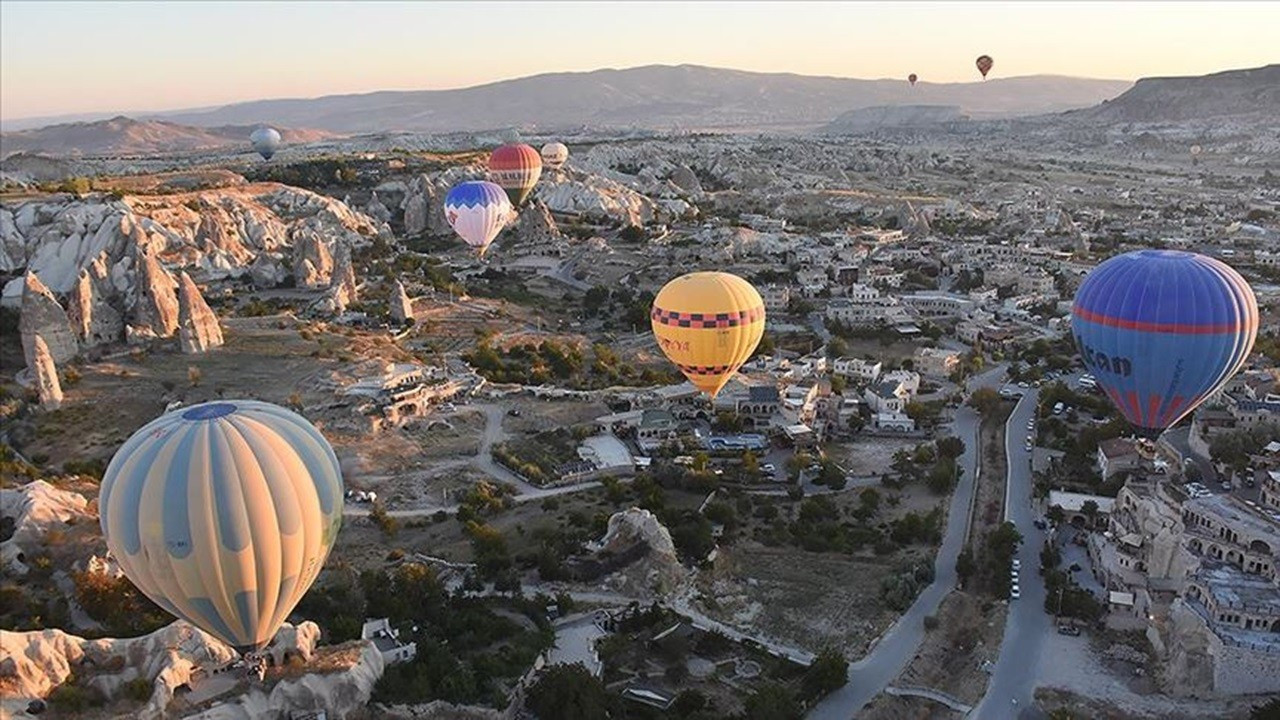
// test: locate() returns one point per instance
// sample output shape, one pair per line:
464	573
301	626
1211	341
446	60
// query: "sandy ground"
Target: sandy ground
871	455
1091	689
808	600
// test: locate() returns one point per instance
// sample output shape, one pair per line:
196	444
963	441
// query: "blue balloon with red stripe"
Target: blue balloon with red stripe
1162	330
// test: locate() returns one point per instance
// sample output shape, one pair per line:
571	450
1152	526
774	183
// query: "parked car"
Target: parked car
1068	630
1017	564
1015	592
1075	567
1040	525
769	468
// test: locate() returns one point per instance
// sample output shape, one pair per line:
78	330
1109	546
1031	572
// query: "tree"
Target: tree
838	384
632	234
965	566
837	348
985	400
569	692
772	701
1090	510
750	463
950	447
387	524
829	671
1056	514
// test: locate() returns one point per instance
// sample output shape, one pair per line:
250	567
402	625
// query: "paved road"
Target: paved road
870	675
1027	626
895	649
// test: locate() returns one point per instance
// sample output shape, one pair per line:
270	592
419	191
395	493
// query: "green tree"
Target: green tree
773	701
829	671
985	400
569	692
1056	514
750	463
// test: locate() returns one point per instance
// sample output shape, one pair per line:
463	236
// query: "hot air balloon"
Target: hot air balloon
1162	330
984	64
1196	150
516	169
477	210
554	155
912	79
223	514
266	141
708	324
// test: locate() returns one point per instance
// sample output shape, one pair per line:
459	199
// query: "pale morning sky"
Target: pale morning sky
63	57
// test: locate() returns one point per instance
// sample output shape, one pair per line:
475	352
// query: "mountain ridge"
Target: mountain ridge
122	135
651	96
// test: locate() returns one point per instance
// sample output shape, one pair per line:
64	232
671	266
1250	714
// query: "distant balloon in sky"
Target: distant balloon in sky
223	514
554	155
477	210
708	324
1162	330
266	141
984	63
1195	149
516	169
912	78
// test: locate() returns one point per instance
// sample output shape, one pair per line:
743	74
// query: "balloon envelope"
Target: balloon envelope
1162	330
223	513
1196	149
477	210
912	78
554	155
516	169
266	141
984	63
708	324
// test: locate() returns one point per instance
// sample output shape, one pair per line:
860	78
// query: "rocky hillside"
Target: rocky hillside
1232	93
655	96
126	136
892	116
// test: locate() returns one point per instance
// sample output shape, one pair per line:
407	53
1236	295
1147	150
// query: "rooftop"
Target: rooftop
1116	447
1074	502
1232	587
1235	513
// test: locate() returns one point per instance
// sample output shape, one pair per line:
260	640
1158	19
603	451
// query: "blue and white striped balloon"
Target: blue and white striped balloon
223	513
477	210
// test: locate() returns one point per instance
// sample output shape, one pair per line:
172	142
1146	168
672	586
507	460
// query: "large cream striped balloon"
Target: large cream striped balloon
223	513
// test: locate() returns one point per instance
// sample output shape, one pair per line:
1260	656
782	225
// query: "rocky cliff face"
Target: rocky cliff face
35	509
89	306
212	233
423	202
535	226
42	316
659	570
198	329
45	376
401	305
154	301
894	116
36	662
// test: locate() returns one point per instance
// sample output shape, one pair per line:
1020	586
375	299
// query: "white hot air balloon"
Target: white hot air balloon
477	210
554	155
266	141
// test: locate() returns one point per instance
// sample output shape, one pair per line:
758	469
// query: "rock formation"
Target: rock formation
198	329
267	271
42	315
344	275
36	662
423	202
38	507
376	210
535	226
45	376
659	570
401	305
93	319
685	179
154	312
312	261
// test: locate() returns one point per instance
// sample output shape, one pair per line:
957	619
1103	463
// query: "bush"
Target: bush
138	689
930	622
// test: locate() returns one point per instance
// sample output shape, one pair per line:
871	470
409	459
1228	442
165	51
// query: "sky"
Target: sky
61	58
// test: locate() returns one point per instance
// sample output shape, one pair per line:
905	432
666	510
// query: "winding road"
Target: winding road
869	676
1011	691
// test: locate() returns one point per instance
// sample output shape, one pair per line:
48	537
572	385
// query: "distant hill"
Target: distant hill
126	136
887	116
655	96
1171	99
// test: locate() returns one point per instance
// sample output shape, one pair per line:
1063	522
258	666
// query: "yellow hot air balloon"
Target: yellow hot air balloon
708	324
